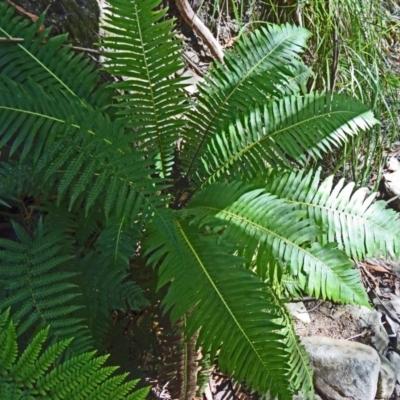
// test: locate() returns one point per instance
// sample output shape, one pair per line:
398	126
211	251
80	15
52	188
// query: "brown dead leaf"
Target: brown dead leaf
377	268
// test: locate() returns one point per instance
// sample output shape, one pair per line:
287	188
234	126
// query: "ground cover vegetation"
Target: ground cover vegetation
216	195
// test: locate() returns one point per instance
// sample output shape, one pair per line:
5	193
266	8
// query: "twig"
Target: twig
11	40
92	51
360	334
193	65
198	26
20	40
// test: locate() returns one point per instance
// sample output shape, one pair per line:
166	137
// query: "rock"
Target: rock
391	182
371	319
299	311
192	79
386	380
394	358
343	370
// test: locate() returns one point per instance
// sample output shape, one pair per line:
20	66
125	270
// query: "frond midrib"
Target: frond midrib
346	214
204	269
157	123
247	148
44	67
268	231
221	107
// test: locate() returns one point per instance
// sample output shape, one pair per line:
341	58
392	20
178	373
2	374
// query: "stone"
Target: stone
343	370
371	319
394	358
192	79
391	182
299	311
386	380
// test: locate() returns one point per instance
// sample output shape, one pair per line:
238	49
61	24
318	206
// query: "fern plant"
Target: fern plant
33	375
214	194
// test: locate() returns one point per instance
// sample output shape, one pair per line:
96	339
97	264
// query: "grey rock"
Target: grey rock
386	380
343	370
394	358
391	182
371	319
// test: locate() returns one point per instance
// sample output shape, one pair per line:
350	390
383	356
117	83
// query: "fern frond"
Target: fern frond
35	285
300	369
361	227
141	49
282	132
46	60
279	231
265	65
38	374
229	305
92	162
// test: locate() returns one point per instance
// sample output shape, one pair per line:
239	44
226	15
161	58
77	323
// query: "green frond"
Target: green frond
36	286
90	160
361	227
283	132
301	374
228	304
38	373
265	65
46	60
142	50
277	230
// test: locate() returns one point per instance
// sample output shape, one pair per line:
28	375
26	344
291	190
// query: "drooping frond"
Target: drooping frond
89	159
36	373
278	231
265	65
141	49
36	286
359	225
283	132
229	305
47	61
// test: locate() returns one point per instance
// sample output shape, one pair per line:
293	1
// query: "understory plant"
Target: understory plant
211	192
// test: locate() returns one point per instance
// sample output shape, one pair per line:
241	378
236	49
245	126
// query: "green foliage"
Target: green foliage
209	192
37	373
